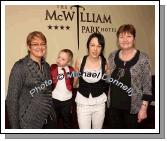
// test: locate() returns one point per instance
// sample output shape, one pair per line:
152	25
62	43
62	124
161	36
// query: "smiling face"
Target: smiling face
126	40
94	48
63	59
37	48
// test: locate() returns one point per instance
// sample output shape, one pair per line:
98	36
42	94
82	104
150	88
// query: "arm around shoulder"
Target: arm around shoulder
77	69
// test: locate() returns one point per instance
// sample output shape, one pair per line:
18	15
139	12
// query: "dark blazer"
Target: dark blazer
29	94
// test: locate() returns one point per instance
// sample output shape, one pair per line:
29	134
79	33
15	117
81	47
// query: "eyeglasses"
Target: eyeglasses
35	45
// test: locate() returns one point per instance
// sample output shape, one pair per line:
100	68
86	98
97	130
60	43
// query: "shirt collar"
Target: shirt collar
66	68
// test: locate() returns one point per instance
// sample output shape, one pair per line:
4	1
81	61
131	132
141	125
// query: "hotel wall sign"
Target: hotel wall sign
64	13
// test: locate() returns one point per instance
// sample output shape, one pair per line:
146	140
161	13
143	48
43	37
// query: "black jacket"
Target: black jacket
29	94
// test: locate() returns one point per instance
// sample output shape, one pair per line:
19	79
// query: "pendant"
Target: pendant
121	73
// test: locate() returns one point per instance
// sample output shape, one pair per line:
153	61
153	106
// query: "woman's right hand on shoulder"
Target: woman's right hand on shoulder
76	68
107	69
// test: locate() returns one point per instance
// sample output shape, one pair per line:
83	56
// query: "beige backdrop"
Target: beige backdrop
20	20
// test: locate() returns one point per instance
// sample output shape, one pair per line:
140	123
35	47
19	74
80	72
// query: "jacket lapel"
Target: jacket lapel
35	71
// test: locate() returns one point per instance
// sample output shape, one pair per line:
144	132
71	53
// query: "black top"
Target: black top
86	88
121	84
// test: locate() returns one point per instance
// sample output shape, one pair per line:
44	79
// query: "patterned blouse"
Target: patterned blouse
140	80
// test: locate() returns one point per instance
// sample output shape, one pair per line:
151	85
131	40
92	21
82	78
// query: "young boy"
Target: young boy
62	86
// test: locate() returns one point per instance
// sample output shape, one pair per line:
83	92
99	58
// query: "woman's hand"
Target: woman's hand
107	69
142	113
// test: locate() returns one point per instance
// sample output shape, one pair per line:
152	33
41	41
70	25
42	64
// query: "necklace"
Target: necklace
121	73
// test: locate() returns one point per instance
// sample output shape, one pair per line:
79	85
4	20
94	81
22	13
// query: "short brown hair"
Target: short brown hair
34	34
69	52
126	28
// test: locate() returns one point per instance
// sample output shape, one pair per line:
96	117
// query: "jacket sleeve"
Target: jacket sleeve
71	78
53	74
16	81
147	80
111	62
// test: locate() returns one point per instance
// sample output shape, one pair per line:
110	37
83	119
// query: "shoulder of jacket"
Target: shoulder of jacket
54	66
19	66
47	64
21	61
113	53
143	55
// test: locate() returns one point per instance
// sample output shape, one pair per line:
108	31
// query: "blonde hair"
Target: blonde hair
69	52
34	34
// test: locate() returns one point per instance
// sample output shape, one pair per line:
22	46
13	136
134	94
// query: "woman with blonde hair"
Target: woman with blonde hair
29	92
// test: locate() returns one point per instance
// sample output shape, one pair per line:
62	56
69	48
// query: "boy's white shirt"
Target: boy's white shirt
61	92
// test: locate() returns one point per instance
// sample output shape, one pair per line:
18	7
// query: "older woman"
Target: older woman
29	92
130	89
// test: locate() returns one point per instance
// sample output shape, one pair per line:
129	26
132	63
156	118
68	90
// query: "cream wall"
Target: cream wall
20	20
